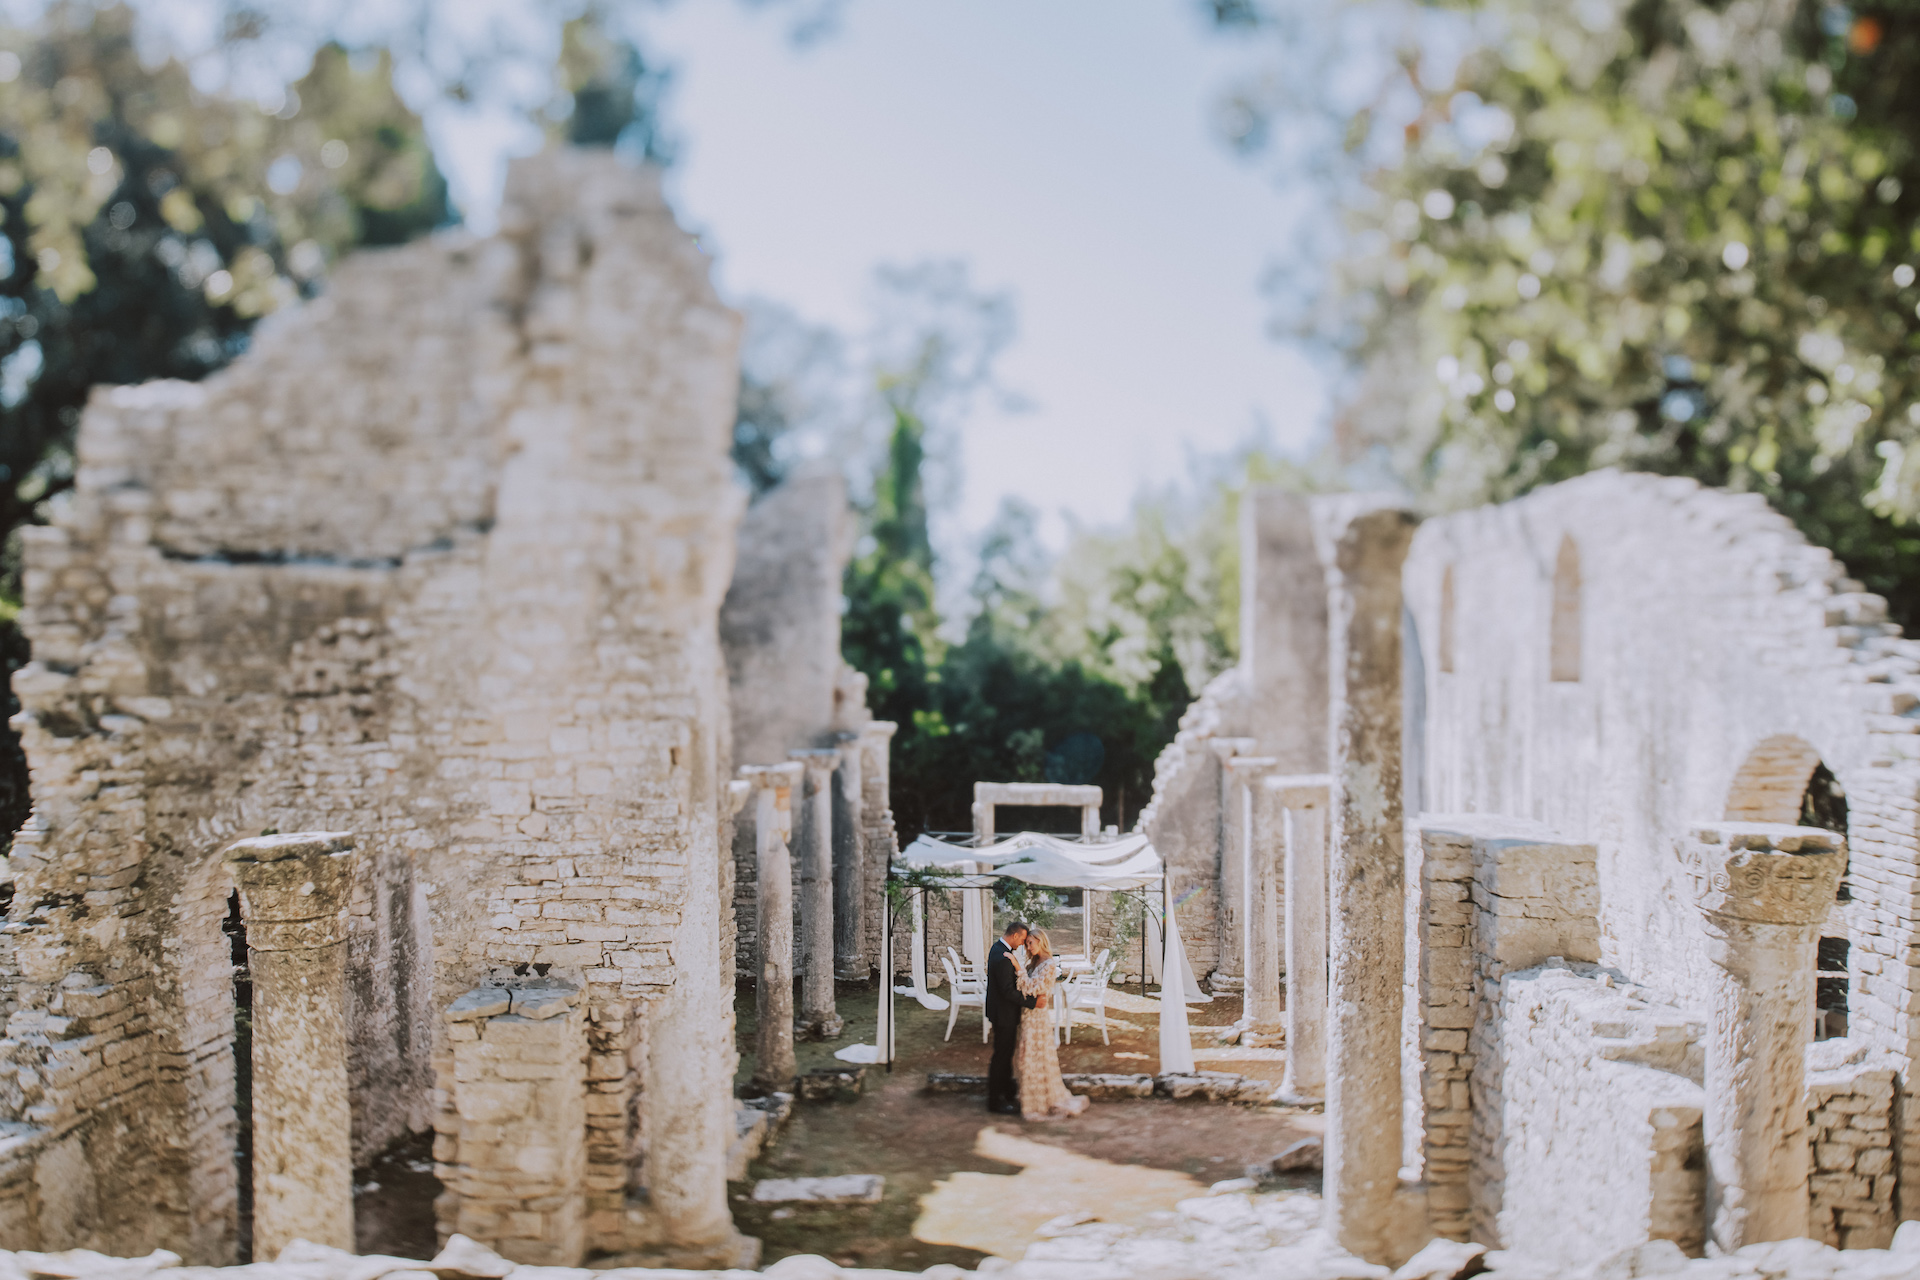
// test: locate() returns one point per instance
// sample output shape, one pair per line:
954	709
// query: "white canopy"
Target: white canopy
1129	862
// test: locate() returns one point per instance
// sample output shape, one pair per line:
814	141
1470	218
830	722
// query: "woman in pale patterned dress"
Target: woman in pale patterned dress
1036	1061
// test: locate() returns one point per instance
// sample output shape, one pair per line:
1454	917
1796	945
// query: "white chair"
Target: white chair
1088	991
966	968
964	991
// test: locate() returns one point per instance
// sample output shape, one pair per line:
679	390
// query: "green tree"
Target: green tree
994	702
1667	235
145	226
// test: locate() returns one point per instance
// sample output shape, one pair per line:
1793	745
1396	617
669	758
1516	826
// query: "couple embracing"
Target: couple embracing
1025	1046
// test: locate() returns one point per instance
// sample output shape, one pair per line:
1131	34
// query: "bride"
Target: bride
1043	1094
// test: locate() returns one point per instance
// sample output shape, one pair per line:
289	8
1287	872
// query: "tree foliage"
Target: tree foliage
992	700
1669	235
145	226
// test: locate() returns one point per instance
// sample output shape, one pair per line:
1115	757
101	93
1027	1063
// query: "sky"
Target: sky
1062	148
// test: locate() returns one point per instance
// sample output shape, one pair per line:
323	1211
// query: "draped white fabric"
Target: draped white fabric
1176	1041
1049	861
1129	863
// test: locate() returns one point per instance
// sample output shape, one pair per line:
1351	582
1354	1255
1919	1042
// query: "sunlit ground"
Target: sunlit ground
962	1184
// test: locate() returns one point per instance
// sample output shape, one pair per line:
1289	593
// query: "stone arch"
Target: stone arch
1771	784
1784	780
1564	630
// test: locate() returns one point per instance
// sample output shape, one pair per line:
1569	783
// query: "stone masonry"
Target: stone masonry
1593	1054
440	563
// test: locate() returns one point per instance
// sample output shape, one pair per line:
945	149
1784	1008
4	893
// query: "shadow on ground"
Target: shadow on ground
977	1183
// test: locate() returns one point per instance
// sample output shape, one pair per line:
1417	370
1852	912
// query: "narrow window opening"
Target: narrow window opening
1564	640
1824	805
1446	619
1830	991
236	930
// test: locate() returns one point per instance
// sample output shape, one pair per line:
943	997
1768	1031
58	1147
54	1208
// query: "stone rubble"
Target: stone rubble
1232	1233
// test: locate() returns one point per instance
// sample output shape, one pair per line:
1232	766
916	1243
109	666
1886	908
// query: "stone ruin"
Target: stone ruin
431	655
1572	847
433	581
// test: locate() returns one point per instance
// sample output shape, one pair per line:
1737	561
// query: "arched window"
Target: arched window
1446	619
1564	637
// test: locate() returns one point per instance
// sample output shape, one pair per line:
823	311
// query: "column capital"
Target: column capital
816	759
879	729
1226	748
295	888
738	792
1299	790
1764	873
773	777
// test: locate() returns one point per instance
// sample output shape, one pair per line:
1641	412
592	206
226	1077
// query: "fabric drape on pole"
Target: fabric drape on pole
1176	1040
973	923
883	1037
1048	861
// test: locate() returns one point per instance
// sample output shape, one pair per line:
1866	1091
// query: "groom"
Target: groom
1005	1003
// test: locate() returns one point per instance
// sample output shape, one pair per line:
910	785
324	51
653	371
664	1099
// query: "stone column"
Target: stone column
293	897
773	1061
1302	801
849	864
1366	883
813	842
1764	891
518	1179
1242	776
690	1116
1229	971
877	836
1266	913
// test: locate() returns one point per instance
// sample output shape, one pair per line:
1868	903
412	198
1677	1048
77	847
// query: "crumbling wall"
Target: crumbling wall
438	563
1600	1110
1183	818
1620	656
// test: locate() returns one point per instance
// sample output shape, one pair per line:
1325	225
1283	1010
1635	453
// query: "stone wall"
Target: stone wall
1621	656
1850	1092
438	563
1184	817
1599	1120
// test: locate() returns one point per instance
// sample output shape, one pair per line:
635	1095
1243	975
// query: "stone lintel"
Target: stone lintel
1036	793
1247	769
1764	873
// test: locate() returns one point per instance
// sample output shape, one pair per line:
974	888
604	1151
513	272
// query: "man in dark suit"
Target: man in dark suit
1005	1003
